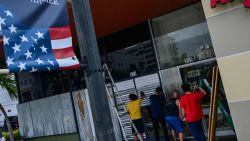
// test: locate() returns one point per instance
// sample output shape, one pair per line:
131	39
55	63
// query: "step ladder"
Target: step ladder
221	106
119	108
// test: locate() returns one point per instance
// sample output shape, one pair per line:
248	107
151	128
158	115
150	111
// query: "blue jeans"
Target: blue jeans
197	130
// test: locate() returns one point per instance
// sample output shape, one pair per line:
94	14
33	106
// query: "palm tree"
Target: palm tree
7	82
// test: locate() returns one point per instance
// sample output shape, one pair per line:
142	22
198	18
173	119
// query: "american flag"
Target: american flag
33	48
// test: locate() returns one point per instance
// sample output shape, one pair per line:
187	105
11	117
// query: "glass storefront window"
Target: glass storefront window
129	53
135	60
182	37
37	85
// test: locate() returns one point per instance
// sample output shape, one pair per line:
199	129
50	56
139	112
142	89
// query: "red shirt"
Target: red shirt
191	103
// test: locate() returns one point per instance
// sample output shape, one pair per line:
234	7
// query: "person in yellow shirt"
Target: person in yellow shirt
134	110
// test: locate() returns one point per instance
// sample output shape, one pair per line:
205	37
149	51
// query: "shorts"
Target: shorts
139	126
175	123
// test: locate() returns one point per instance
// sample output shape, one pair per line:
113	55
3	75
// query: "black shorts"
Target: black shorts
139	126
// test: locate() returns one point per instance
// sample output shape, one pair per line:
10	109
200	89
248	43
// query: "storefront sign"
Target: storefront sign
214	2
52	2
194	73
197	72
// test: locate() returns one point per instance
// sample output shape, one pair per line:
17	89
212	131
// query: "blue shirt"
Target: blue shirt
157	106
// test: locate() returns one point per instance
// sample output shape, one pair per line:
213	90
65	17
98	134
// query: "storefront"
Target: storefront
181	50
166	50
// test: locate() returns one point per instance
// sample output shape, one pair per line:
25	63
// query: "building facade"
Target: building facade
228	27
166	44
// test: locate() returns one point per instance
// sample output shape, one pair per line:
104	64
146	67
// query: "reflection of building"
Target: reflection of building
184	46
146	56
8	104
30	86
141	55
179	34
121	60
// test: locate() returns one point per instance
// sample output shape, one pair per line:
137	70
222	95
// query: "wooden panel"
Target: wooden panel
45	117
54	116
69	124
57	114
38	115
25	120
83	117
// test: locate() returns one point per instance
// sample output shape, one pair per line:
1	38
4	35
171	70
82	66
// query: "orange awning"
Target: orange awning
114	15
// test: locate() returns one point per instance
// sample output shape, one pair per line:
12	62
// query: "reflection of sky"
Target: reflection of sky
189	39
189	32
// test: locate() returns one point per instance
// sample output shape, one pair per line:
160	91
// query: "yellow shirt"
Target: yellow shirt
134	109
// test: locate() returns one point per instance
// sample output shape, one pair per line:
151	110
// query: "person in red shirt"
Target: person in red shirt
191	110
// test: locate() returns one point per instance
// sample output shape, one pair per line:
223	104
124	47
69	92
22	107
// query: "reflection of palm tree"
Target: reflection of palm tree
183	57
172	51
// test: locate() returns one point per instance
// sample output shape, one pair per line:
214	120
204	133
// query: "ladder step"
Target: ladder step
106	78
127	124
114	95
108	86
119	105
123	114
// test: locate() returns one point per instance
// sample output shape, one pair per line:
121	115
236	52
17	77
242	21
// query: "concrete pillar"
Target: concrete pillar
229	27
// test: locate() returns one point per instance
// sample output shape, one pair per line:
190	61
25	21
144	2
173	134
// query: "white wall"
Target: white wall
229	29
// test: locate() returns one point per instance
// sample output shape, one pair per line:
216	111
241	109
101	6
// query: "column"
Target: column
229	27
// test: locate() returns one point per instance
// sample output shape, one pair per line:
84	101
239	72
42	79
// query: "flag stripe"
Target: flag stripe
61	43
63	53
67	62
77	66
60	32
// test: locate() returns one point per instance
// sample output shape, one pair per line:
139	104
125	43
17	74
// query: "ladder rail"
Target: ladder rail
113	85
117	113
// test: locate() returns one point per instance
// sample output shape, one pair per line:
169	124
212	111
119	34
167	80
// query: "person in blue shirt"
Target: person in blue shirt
158	109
